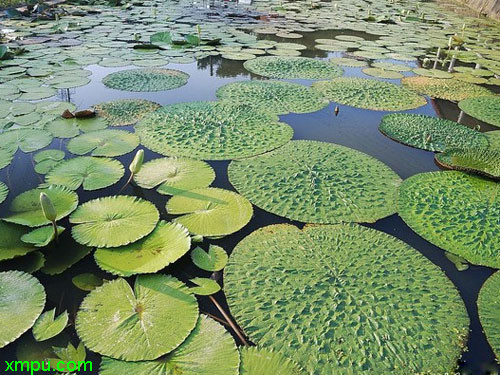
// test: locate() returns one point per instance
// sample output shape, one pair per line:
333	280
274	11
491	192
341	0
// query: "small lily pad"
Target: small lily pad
205	287
104	143
55	155
29	263
70	128
28	140
48	326
4	191
173	175
11	245
125	111
210	212
87	281
41	237
213	260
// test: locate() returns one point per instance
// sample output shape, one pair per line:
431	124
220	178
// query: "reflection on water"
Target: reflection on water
355	128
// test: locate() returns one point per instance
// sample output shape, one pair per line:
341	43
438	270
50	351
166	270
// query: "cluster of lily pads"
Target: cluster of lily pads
331	297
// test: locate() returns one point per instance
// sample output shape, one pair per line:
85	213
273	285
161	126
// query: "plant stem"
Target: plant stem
56	232
128	182
228	319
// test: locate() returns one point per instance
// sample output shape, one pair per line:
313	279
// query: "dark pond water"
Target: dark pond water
355	128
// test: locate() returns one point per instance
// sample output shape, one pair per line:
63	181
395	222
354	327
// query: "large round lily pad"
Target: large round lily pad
90	172
104	143
137	324
25	209
209	350
484	108
442	88
430	133
212	130
273	96
174	175
11	245
167	243
146	79
488	304
456	211
285	67
344	299
318	182
28	140
369	94
482	161
125	111
22	299
113	221
260	361
210	212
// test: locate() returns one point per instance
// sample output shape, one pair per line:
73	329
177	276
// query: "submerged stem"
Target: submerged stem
56	232
229	320
127	183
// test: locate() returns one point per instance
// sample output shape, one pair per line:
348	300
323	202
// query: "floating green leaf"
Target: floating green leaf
369	94
205	287
489	304
104	143
125	111
4	191
62	257
22	299
26	208
458	212
174	175
113	221
55	155
430	133
146	79
212	131
41	237
28	140
273	96
448	89
70	357
382	73
481	161
346	288
285	67
6	157
90	172
213	260
87	281
484	108
493	139
69	128
209	349
210	211
11	245
260	361
318	182
48	326
166	244
29	263
137	324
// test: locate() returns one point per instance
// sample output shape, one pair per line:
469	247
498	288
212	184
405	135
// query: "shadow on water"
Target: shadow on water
353	127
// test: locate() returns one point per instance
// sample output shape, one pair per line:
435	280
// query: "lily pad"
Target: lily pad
260	361
55	155
87	281
481	161
137	324
166	244
29	263
173	175
42	236
48	326
318	182
205	287
210	212
28	140
104	143
213	260
273	96
62	257
70	128
493	139
489	304
6	157
113	221
90	172
209	349
484	108
125	111
26	209
4	191
456	211
212	131
11	245
448	89
430	133
369	94
146	80
22	299
285	67
346	288
382	73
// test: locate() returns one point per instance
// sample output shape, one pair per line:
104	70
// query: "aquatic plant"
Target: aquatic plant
448	89
292	68
484	108
125	111
488	303
146	80
482	161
